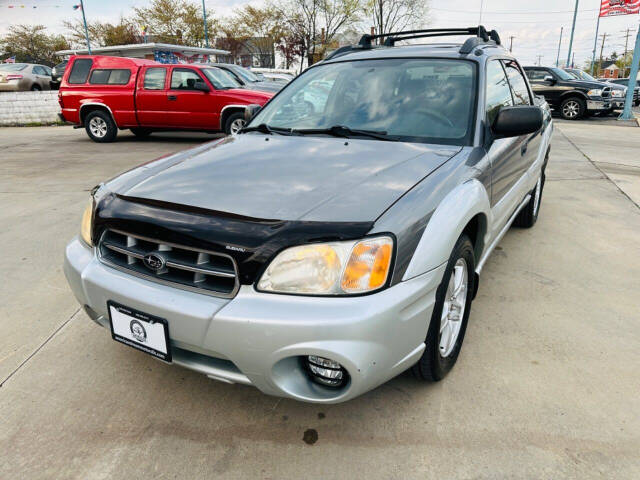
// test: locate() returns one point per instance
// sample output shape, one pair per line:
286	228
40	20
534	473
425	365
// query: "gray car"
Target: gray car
20	77
335	242
248	79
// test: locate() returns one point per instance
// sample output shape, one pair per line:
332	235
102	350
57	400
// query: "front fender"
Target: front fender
446	225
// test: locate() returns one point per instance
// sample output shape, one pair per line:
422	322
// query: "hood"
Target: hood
589	84
310	178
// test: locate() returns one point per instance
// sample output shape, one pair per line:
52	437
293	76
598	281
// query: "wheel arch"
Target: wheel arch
466	209
88	107
573	93
228	110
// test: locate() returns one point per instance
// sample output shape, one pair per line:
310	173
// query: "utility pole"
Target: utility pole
511	42
559	44
539	59
481	5
626	45
206	32
86	30
604	37
573	29
595	46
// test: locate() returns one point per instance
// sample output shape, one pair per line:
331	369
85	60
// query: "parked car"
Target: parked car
625	82
618	92
56	74
104	94
20	77
318	254
572	99
248	79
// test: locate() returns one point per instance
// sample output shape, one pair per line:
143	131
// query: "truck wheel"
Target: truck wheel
450	314
141	132
100	127
529	214
572	108
35	87
234	123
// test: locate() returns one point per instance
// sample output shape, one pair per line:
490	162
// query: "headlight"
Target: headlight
618	93
595	93
87	224
335	268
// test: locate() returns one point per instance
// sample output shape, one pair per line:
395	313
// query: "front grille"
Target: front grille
606	92
203	271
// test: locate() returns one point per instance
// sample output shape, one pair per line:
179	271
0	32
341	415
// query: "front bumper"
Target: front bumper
597	105
258	338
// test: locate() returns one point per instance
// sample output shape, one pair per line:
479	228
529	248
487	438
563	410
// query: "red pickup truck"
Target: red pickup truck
104	94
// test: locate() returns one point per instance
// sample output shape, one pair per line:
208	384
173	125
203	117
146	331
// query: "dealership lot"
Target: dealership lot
546	386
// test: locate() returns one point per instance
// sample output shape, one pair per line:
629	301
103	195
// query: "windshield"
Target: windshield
420	100
562	74
582	75
12	67
220	79
245	74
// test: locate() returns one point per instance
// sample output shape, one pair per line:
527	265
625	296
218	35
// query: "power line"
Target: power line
519	12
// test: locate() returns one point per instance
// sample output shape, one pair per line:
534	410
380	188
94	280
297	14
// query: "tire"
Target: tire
233	121
36	88
100	126
141	132
528	216
440	355
573	108
636	104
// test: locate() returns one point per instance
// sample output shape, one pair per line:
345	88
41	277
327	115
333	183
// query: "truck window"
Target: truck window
80	70
109	77
154	78
498	91
537	74
184	79
518	85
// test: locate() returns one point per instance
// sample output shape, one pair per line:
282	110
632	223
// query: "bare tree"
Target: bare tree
395	15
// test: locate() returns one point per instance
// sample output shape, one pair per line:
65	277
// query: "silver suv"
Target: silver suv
338	240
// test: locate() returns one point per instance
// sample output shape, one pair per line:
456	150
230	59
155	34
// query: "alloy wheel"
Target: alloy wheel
455	302
98	127
571	109
236	126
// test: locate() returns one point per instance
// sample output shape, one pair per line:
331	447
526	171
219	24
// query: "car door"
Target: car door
531	143
188	106
550	90
504	153
151	97
41	77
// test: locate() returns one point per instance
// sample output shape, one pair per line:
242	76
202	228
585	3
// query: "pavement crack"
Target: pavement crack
595	165
24	362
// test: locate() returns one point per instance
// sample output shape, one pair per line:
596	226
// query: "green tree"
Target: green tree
31	43
103	34
175	21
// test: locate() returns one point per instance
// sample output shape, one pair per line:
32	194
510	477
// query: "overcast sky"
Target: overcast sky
535	25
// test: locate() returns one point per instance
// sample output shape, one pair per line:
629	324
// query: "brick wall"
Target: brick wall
23	108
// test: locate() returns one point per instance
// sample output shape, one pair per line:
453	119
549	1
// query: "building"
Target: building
160	52
609	69
248	52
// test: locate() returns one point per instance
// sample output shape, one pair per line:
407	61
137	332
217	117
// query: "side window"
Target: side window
536	74
154	78
498	91
109	77
80	70
38	70
518	84
184	79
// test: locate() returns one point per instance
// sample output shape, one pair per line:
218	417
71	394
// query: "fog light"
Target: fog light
326	372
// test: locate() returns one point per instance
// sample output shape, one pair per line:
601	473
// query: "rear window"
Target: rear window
80	70
110	77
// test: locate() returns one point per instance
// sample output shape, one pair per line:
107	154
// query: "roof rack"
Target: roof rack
482	37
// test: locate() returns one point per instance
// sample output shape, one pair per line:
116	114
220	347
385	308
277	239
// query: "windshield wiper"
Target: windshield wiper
346	132
264	128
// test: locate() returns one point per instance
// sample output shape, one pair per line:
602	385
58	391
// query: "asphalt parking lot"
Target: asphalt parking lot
546	385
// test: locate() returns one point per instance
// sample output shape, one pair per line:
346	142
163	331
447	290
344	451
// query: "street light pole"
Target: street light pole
86	30
206	32
573	29
559	44
595	46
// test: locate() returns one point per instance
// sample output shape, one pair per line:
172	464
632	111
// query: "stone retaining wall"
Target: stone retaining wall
25	108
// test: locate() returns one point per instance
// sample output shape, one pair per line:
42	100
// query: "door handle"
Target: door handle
172	97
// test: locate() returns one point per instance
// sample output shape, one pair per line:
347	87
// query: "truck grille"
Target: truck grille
202	271
606	92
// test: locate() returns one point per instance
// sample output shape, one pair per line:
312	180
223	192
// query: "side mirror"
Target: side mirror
201	86
516	121
250	111
550	79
